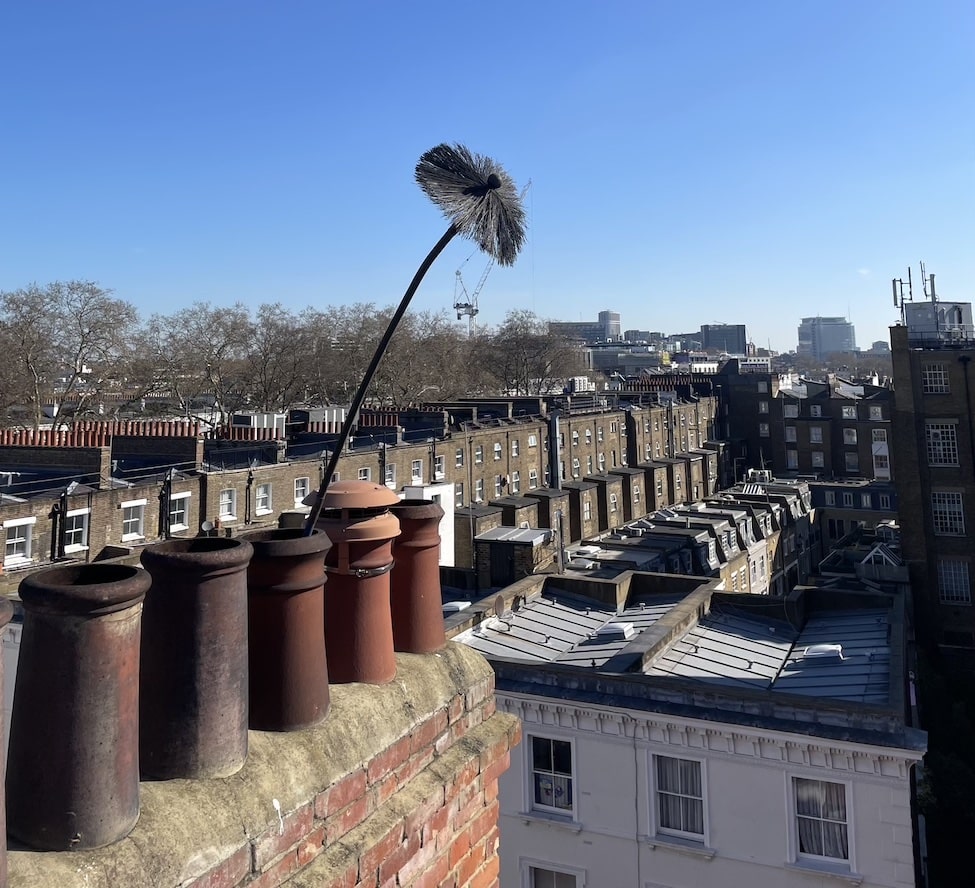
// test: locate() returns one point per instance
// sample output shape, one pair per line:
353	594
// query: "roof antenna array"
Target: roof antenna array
902	295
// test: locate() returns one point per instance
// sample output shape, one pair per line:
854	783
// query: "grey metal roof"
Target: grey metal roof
860	672
562	628
729	649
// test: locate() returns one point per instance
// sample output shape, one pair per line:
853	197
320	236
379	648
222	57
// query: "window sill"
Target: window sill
17	563
132	537
178	528
564	821
682	846
71	550
263	511
225	518
835	871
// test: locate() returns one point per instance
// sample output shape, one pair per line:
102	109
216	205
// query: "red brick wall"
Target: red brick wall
423	813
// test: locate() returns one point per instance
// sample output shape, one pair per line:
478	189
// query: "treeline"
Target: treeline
75	344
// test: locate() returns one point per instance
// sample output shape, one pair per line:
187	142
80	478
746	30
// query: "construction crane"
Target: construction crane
466	304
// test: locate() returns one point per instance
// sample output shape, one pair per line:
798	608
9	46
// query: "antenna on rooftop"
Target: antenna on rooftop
900	296
927	279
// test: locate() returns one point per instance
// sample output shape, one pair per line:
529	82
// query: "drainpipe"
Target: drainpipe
965	360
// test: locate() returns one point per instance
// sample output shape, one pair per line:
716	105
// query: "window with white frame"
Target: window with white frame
849	436
416	471
262	499
790	411
763	429
763	406
459	494
515	447
76	526
660	486
19	533
601	457
866	501
588	437
849	411
614	502
227	504
389	474
852	461
302	486
575	467
792	459
439	467
479	490
847	499
818	460
599	434
884	501
649	451
498	484
876	412
575	439
516	482
541	877
532	479
133	520
497	450
586	509
459	458
879	436
790	433
614	427
479	454
551	762
947	513
589	464
815	434
942	443
636	493
815	410
533	441
365	474
821	823
934	379
762	388
954	586
178	513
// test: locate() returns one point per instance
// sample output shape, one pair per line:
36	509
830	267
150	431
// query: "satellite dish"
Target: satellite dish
206	526
499	606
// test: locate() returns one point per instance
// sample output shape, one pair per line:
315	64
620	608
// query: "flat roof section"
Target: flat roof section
564	628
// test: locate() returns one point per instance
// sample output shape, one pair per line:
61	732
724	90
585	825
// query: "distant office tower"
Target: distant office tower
819	337
729	338
934	449
581	331
610	322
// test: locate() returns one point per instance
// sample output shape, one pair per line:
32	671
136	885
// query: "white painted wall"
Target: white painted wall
444	495
750	842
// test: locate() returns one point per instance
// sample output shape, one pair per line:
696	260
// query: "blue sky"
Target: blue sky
691	162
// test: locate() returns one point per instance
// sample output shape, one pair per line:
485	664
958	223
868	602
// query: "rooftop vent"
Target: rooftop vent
454	607
616	632
823	651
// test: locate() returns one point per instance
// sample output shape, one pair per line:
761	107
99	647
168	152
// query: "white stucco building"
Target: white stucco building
680	737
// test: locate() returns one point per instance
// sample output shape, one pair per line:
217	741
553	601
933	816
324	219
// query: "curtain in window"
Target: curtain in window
680	795
821	818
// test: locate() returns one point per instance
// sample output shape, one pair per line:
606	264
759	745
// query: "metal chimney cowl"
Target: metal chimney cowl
358	619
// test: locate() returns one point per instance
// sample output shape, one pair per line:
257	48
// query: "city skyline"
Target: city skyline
746	165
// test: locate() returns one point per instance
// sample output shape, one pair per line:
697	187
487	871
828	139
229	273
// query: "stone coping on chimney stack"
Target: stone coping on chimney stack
383	752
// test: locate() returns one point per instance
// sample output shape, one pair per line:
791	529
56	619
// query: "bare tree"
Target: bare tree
68	342
528	360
